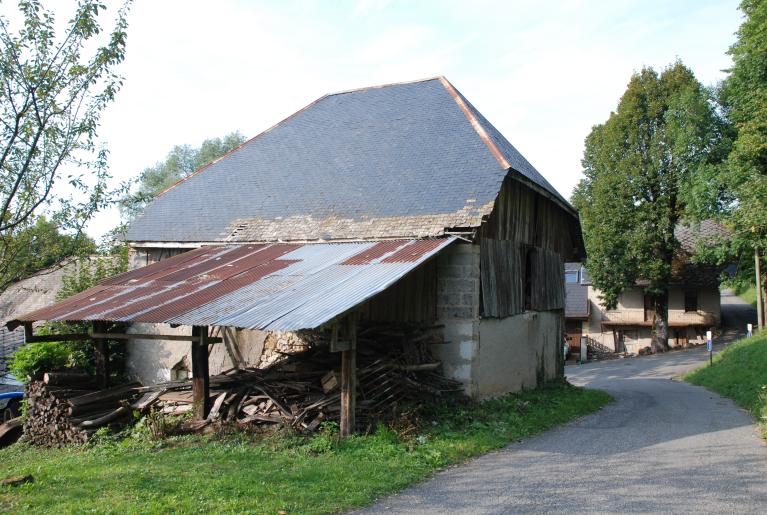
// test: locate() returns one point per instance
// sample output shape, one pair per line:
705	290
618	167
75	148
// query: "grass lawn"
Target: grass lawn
748	295
740	373
241	473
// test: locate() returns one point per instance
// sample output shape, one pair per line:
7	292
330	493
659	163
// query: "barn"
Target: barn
399	204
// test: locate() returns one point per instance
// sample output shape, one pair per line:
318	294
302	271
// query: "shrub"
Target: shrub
39	357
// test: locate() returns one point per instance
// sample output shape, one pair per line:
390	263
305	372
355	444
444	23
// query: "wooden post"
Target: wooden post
759	299
28	332
349	380
101	356
200	374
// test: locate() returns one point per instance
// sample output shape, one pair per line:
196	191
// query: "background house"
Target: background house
397	204
694	301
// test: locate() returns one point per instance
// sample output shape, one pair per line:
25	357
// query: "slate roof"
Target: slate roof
404	160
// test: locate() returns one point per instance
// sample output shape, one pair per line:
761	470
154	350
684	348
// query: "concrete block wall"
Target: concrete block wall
458	310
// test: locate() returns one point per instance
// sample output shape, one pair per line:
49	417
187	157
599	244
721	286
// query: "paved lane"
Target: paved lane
662	446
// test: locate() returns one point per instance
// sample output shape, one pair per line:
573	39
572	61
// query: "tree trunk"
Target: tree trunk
660	323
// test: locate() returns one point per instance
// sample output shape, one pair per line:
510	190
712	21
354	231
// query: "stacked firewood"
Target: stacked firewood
65	408
395	369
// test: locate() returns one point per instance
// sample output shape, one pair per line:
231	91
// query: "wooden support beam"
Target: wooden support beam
101	356
57	337
200	373
29	332
349	379
141	336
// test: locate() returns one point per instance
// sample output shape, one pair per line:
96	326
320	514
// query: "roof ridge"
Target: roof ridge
475	123
387	85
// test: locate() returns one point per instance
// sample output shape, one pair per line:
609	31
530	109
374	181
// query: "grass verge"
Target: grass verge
242	473
740	373
747	294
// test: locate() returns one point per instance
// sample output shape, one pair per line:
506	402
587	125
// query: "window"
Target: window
691	301
571	276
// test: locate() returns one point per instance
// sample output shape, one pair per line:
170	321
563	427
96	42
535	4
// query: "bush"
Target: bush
39	357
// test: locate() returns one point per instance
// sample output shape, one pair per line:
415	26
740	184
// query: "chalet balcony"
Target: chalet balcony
637	317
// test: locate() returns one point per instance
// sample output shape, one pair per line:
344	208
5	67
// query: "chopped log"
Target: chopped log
116	393
68	379
106	419
213	415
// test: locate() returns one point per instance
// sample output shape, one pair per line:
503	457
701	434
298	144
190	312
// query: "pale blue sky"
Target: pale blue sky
542	72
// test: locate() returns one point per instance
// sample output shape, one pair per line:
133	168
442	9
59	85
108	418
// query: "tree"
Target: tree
53	89
744	96
642	167
41	246
180	162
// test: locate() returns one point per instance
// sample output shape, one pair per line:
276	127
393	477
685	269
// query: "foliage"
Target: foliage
53	89
88	272
740	373
243	473
41	245
643	168
181	162
744	99
32	358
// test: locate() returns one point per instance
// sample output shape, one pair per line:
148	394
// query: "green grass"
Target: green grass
240	473
740	373
748	294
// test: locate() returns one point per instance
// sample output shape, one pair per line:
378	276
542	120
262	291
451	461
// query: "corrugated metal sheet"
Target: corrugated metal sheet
271	287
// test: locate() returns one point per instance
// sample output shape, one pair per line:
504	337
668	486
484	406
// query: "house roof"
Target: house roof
404	160
257	286
705	232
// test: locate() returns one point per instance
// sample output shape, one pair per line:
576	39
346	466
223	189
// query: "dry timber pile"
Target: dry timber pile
64	409
395	370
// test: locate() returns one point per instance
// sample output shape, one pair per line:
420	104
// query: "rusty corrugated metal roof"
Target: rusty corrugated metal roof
271	287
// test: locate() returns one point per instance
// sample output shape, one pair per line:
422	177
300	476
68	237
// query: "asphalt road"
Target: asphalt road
663	446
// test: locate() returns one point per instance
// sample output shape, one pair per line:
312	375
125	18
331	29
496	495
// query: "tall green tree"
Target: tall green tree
180	162
54	87
642	168
744	96
41	246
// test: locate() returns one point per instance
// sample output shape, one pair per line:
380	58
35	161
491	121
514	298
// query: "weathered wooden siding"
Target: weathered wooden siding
412	299
525	216
523	246
548	280
502	266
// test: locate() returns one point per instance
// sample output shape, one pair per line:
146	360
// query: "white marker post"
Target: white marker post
710	347
750	330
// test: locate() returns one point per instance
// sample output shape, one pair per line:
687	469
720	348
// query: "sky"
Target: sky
542	72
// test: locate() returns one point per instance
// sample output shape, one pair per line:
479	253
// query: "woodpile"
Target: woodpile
63	413
301	390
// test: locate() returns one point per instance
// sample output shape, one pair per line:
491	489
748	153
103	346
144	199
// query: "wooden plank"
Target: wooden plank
57	337
101	356
143	336
200	373
349	380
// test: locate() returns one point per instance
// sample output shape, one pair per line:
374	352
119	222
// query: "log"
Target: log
106	419
68	379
